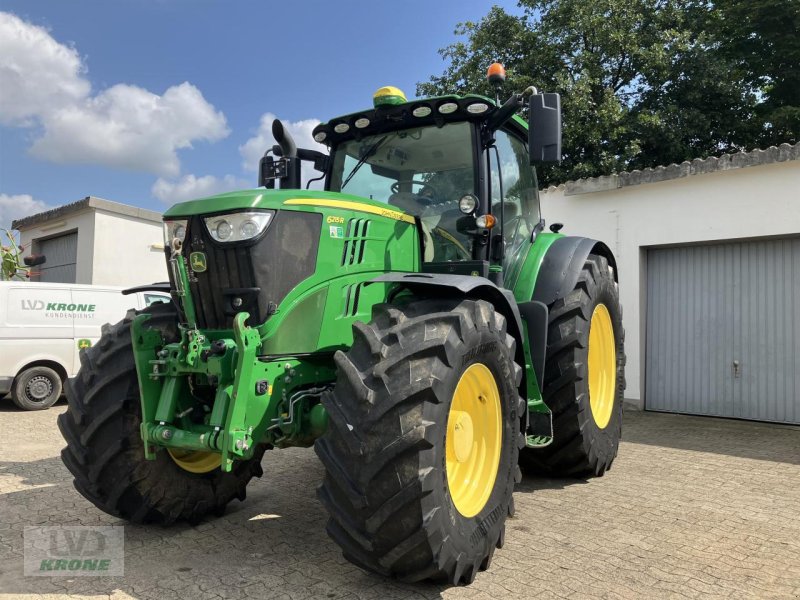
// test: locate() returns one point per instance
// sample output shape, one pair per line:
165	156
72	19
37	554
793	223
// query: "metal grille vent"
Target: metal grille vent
355	241
351	296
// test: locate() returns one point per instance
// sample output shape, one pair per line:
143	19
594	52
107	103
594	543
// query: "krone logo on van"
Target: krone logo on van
57	306
197	260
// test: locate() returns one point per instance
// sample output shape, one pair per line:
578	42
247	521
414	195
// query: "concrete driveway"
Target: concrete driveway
692	508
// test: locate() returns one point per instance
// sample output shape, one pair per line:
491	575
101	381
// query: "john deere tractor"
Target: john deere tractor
414	321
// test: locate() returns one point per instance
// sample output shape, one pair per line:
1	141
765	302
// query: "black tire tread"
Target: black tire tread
105	454
365	456
573	452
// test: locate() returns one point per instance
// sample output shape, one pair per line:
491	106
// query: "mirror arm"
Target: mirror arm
509	109
505	112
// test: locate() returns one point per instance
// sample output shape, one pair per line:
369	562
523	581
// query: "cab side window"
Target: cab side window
514	193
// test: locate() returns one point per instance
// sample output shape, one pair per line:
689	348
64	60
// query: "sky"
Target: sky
151	102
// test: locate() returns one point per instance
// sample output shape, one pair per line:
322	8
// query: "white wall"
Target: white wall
750	202
128	251
113	248
84	223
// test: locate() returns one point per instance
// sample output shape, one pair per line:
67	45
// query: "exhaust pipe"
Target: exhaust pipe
284	139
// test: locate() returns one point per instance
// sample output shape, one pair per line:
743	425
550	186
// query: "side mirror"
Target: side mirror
34	260
544	128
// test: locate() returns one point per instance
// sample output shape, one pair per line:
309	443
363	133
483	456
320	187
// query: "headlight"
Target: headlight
238	227
468	204
174	229
221	230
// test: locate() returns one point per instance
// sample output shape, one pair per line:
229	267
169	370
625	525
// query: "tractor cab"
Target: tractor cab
460	165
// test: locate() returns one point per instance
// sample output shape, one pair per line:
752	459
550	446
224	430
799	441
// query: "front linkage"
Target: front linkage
254	401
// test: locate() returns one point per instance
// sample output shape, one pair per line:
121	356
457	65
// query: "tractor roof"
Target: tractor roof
415	113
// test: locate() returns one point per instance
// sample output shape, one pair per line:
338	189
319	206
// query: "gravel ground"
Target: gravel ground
693	507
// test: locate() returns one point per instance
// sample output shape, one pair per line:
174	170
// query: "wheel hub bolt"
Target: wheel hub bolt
167	434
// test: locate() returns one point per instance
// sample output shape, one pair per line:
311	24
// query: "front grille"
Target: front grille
258	273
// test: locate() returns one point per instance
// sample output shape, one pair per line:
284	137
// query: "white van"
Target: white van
43	327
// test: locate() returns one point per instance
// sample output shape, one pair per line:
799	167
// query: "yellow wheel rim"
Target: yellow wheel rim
602	366
195	461
474	440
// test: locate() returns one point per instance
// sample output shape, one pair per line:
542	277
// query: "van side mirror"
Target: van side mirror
544	128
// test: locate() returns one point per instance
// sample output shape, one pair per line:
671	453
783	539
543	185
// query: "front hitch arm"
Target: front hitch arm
237	436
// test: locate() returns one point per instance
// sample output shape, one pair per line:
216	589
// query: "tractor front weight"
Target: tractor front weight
254	400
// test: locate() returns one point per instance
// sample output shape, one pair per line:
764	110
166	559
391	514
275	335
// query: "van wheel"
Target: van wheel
36	388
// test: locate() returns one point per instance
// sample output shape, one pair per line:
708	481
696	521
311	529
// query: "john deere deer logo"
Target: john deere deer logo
198	262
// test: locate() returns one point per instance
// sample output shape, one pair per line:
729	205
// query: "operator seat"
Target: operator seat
510	211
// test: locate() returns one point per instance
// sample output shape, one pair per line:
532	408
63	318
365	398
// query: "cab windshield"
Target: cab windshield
422	171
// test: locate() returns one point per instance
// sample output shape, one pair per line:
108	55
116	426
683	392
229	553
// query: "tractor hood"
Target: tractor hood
280	199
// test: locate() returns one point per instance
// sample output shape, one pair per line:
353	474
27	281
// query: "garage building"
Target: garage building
95	241
708	253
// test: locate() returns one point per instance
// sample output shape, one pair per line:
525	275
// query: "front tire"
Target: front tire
105	452
584	378
422	444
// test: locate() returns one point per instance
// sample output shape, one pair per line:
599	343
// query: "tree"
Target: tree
643	82
762	37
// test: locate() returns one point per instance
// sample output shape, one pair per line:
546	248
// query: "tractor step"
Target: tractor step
540	429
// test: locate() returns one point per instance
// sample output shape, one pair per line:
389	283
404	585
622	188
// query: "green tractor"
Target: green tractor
414	322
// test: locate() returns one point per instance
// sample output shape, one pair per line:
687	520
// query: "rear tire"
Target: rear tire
36	388
105	452
586	428
390	451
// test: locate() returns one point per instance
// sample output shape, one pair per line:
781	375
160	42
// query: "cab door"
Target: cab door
514	194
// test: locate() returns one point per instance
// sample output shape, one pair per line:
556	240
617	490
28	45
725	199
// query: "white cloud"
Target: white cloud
190	187
253	149
123	126
36	72
128	127
16	206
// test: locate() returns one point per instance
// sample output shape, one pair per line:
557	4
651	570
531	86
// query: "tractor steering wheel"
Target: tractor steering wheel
431	195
